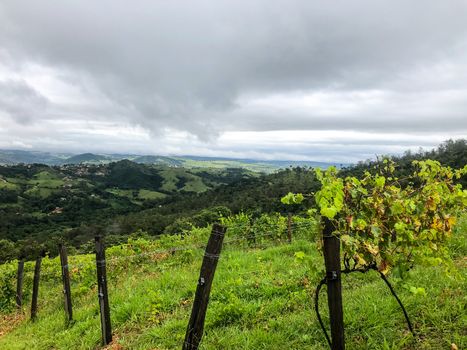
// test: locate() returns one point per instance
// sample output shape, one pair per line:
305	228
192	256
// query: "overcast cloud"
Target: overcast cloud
322	80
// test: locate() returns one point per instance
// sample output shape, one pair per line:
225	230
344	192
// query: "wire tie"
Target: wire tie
331	275
211	256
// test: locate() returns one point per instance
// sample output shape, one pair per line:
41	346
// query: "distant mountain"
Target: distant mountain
158	160
253	164
29	157
86	158
10	157
295	163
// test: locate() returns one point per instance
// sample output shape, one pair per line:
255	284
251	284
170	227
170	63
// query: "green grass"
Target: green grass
16	180
261	299
149	195
44	184
170	184
121	193
172	177
47	179
40	192
136	196
7	185
223	164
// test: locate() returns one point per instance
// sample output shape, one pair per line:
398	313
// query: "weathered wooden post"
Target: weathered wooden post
331	250
19	284
35	288
66	282
195	328
103	296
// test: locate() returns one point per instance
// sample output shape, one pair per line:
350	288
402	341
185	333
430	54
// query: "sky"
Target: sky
320	80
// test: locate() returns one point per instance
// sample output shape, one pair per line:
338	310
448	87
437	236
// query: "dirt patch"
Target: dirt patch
461	262
9	322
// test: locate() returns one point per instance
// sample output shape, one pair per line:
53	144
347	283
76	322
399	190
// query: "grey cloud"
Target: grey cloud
188	65
20	101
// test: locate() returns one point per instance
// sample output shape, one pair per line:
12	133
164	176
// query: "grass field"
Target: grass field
136	196
44	184
262	298
149	195
222	164
7	185
191	183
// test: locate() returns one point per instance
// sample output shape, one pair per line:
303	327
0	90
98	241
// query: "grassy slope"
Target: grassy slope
172	176
261	299
222	164
44	184
6	184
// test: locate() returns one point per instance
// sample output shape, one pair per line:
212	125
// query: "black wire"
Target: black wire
318	289
393	292
391	288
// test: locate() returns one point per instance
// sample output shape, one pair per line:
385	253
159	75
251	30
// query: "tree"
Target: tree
8	251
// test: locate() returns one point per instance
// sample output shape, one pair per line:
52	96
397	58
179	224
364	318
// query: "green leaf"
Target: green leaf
360	224
397	208
329	212
291	198
380	181
418	291
299	255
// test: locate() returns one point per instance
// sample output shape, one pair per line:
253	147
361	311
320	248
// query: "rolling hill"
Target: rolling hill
267	166
86	158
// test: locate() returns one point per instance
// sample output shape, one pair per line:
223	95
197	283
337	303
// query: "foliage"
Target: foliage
8	251
451	153
238	225
292	198
7	289
256	230
390	222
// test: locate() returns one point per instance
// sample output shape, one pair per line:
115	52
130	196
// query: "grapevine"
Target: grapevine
389	223
386	223
393	223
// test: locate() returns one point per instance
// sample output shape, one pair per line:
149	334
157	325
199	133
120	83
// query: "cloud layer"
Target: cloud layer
347	79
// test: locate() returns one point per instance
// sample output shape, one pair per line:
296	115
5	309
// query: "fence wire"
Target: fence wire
248	237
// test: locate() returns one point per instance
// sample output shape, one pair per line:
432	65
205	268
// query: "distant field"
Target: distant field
137	195
222	164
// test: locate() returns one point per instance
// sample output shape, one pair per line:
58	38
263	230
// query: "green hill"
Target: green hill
192	162
160	160
29	157
86	158
38	202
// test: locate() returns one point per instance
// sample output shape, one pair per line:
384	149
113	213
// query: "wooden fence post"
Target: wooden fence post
19	284
35	287
195	328
104	307
66	282
331	249
289	227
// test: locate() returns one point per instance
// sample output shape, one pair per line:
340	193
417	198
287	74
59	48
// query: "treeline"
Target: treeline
451	153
